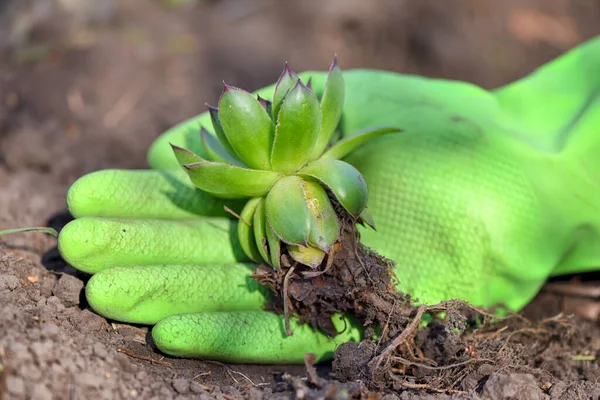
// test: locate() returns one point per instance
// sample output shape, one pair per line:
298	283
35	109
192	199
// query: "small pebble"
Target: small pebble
181	386
8	282
50	330
125	363
41	392
15	385
196	388
47	286
41	349
87	379
141	376
165	393
100	351
55	304
68	289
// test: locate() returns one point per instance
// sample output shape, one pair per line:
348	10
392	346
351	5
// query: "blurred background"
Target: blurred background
89	84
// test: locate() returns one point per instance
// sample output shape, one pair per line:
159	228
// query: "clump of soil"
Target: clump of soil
351	278
445	357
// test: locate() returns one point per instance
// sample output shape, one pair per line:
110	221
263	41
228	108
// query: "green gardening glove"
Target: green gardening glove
482	197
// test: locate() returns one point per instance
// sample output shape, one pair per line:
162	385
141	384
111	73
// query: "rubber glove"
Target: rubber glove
482	197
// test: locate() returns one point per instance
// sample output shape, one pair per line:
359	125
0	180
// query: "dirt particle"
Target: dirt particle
351	359
49	330
181	386
68	289
100	351
8	283
513	386
41	392
86	321
48	284
127	332
32	372
196	388
575	390
55	304
125	363
89	379
15	385
141	376
41	350
165	393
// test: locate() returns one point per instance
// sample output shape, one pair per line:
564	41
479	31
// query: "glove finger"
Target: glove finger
147	294
95	244
143	194
247	337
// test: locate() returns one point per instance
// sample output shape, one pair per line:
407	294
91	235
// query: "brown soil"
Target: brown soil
85	88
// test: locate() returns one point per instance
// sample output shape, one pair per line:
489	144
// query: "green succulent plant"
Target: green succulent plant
277	153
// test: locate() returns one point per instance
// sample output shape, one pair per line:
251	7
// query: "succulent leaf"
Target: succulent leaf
246	232
247	127
216	150
218	128
184	156
287	212
345	146
332	104
346	183
324	224
367	218
310	256
274	247
286	82
230	182
266	105
309	83
260	230
297	130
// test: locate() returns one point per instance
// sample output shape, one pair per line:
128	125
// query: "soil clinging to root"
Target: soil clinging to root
352	278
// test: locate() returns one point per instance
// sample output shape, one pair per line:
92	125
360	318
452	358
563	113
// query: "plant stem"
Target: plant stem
50	231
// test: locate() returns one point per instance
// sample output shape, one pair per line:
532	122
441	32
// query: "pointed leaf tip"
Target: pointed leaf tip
247	127
350	143
287	70
287	80
309	83
335	63
227	87
266	104
185	156
210	108
367	218
332	104
297	129
218	128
